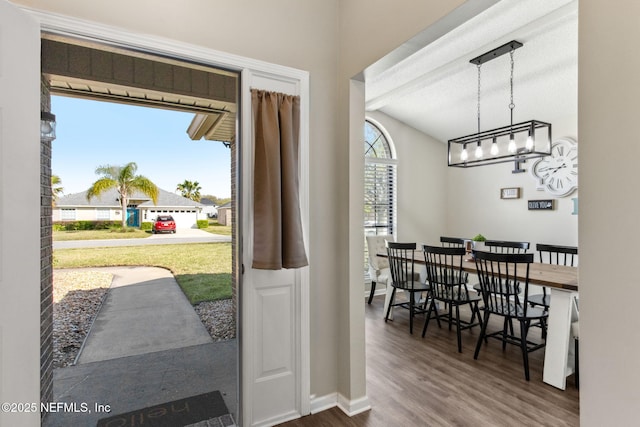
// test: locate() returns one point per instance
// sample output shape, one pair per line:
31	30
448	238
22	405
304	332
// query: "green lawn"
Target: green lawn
131	233
202	270
216	228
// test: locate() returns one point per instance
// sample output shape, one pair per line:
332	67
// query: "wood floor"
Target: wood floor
415	381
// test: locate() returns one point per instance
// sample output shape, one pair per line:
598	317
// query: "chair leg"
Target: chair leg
428	317
507	323
523	346
373	290
483	331
412	302
393	295
458	328
576	352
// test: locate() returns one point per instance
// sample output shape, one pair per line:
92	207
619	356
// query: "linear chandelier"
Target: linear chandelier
512	143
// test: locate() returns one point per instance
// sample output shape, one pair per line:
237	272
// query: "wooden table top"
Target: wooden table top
553	276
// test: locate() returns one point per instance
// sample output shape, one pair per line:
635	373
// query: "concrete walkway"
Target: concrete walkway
146	346
144	311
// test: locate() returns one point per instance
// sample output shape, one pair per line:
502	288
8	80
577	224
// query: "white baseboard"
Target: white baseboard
353	407
349	407
322	403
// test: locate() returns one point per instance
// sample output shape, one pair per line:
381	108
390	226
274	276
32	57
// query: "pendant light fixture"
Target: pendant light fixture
513	143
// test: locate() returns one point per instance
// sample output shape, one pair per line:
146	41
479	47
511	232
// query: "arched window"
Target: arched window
379	184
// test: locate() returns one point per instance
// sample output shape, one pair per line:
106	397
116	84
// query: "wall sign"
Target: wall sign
510	193
540	205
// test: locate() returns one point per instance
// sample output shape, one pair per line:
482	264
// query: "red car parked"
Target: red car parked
163	223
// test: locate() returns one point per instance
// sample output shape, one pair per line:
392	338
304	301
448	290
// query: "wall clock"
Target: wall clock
557	174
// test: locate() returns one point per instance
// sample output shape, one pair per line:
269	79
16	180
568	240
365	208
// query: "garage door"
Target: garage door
184	218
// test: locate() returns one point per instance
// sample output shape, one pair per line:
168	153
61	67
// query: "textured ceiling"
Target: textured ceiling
435	89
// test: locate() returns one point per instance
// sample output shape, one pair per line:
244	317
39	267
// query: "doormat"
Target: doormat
171	414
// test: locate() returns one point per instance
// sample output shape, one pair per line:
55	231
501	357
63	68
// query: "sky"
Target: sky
90	134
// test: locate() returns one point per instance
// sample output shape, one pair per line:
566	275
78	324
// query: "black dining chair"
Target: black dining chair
503	247
403	277
506	247
452	242
448	284
504	282
553	254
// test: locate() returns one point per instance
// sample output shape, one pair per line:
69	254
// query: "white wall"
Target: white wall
609	88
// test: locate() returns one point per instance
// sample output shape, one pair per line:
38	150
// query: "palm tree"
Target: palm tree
125	180
56	188
190	190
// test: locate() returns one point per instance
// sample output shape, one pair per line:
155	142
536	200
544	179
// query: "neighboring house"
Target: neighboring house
224	214
75	207
209	208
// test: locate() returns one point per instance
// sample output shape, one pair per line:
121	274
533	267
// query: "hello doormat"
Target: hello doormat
171	414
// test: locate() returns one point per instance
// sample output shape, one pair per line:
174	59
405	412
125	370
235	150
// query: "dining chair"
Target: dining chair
504	282
448	284
506	247
553	254
403	277
452	242
378	267
503	247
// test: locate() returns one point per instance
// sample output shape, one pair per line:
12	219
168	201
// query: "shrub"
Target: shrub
146	226
84	225
203	223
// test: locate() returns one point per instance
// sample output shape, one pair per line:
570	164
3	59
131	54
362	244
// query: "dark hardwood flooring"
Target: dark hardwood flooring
415	381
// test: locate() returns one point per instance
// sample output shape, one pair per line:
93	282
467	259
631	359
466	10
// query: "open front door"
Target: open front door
19	215
275	312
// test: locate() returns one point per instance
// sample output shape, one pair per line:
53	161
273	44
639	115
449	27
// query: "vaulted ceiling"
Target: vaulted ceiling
435	88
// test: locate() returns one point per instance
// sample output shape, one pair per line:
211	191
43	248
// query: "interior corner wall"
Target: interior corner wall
609	153
394	23
421	187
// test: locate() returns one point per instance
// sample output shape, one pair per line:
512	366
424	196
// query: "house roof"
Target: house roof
110	199
207	201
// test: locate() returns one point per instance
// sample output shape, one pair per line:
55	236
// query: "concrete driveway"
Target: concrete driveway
187	235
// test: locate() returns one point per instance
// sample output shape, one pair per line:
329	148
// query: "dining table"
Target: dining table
562	282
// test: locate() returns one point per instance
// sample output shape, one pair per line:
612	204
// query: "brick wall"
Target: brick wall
46	260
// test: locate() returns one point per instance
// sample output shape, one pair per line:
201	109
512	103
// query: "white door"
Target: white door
19	215
275	319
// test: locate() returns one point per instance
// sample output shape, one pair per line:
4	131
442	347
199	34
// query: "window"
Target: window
379	185
68	214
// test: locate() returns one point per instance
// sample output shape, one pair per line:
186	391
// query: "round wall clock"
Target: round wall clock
557	174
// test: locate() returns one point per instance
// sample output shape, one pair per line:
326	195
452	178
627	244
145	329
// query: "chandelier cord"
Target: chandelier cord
511	105
479	65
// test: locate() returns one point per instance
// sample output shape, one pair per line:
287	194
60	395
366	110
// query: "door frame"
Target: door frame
76	28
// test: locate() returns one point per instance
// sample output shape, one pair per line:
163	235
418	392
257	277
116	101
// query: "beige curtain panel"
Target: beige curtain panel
277	235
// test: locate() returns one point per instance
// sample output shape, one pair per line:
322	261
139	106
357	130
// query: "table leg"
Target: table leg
557	363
